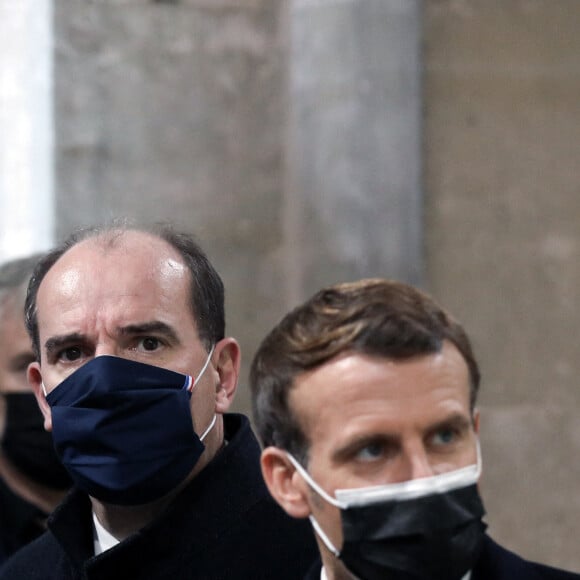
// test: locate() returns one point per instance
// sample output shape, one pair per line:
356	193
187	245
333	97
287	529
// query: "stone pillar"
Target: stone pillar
353	196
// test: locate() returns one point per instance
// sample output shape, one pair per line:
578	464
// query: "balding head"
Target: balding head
206	291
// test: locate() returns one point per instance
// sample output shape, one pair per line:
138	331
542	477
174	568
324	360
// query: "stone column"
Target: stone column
353	196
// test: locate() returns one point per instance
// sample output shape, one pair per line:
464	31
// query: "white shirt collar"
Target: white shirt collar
103	540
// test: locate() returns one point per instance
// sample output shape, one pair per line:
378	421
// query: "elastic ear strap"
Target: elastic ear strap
306	476
319	531
206	363
479	459
196	379
323	536
202	437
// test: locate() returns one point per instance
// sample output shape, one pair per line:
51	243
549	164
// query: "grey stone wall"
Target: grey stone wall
173	111
285	135
501	87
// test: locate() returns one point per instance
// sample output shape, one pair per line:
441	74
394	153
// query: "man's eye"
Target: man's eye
70	354
149	343
371	452
444	437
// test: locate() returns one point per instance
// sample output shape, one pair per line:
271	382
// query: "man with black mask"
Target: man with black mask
32	478
364	399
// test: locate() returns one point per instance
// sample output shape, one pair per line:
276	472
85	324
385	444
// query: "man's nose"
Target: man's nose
418	464
106	348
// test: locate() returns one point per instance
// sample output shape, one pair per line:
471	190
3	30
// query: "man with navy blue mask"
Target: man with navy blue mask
364	399
134	376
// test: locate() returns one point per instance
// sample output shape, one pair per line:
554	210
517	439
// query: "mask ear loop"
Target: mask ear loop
202	437
323	536
331	500
194	380
308	478
479	459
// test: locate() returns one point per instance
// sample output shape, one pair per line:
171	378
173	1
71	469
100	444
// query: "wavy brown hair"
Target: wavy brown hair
377	317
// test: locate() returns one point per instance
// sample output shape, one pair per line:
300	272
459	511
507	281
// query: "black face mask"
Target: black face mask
436	537
425	529
28	446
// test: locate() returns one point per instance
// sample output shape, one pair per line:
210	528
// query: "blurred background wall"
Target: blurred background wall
502	225
307	142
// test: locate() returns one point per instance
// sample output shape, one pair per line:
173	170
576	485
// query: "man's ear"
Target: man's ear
35	381
284	483
228	360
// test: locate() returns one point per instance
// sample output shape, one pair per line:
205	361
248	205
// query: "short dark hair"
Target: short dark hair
207	289
375	317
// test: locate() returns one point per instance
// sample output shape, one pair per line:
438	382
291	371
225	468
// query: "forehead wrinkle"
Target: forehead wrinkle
73	274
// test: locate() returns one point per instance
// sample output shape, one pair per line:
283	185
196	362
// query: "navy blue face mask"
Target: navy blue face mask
124	431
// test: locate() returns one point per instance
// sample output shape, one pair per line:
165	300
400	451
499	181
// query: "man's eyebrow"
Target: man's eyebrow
456	420
55	343
153	327
356	444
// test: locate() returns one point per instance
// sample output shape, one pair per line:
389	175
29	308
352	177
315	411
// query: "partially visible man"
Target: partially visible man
364	399
134	375
32	479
